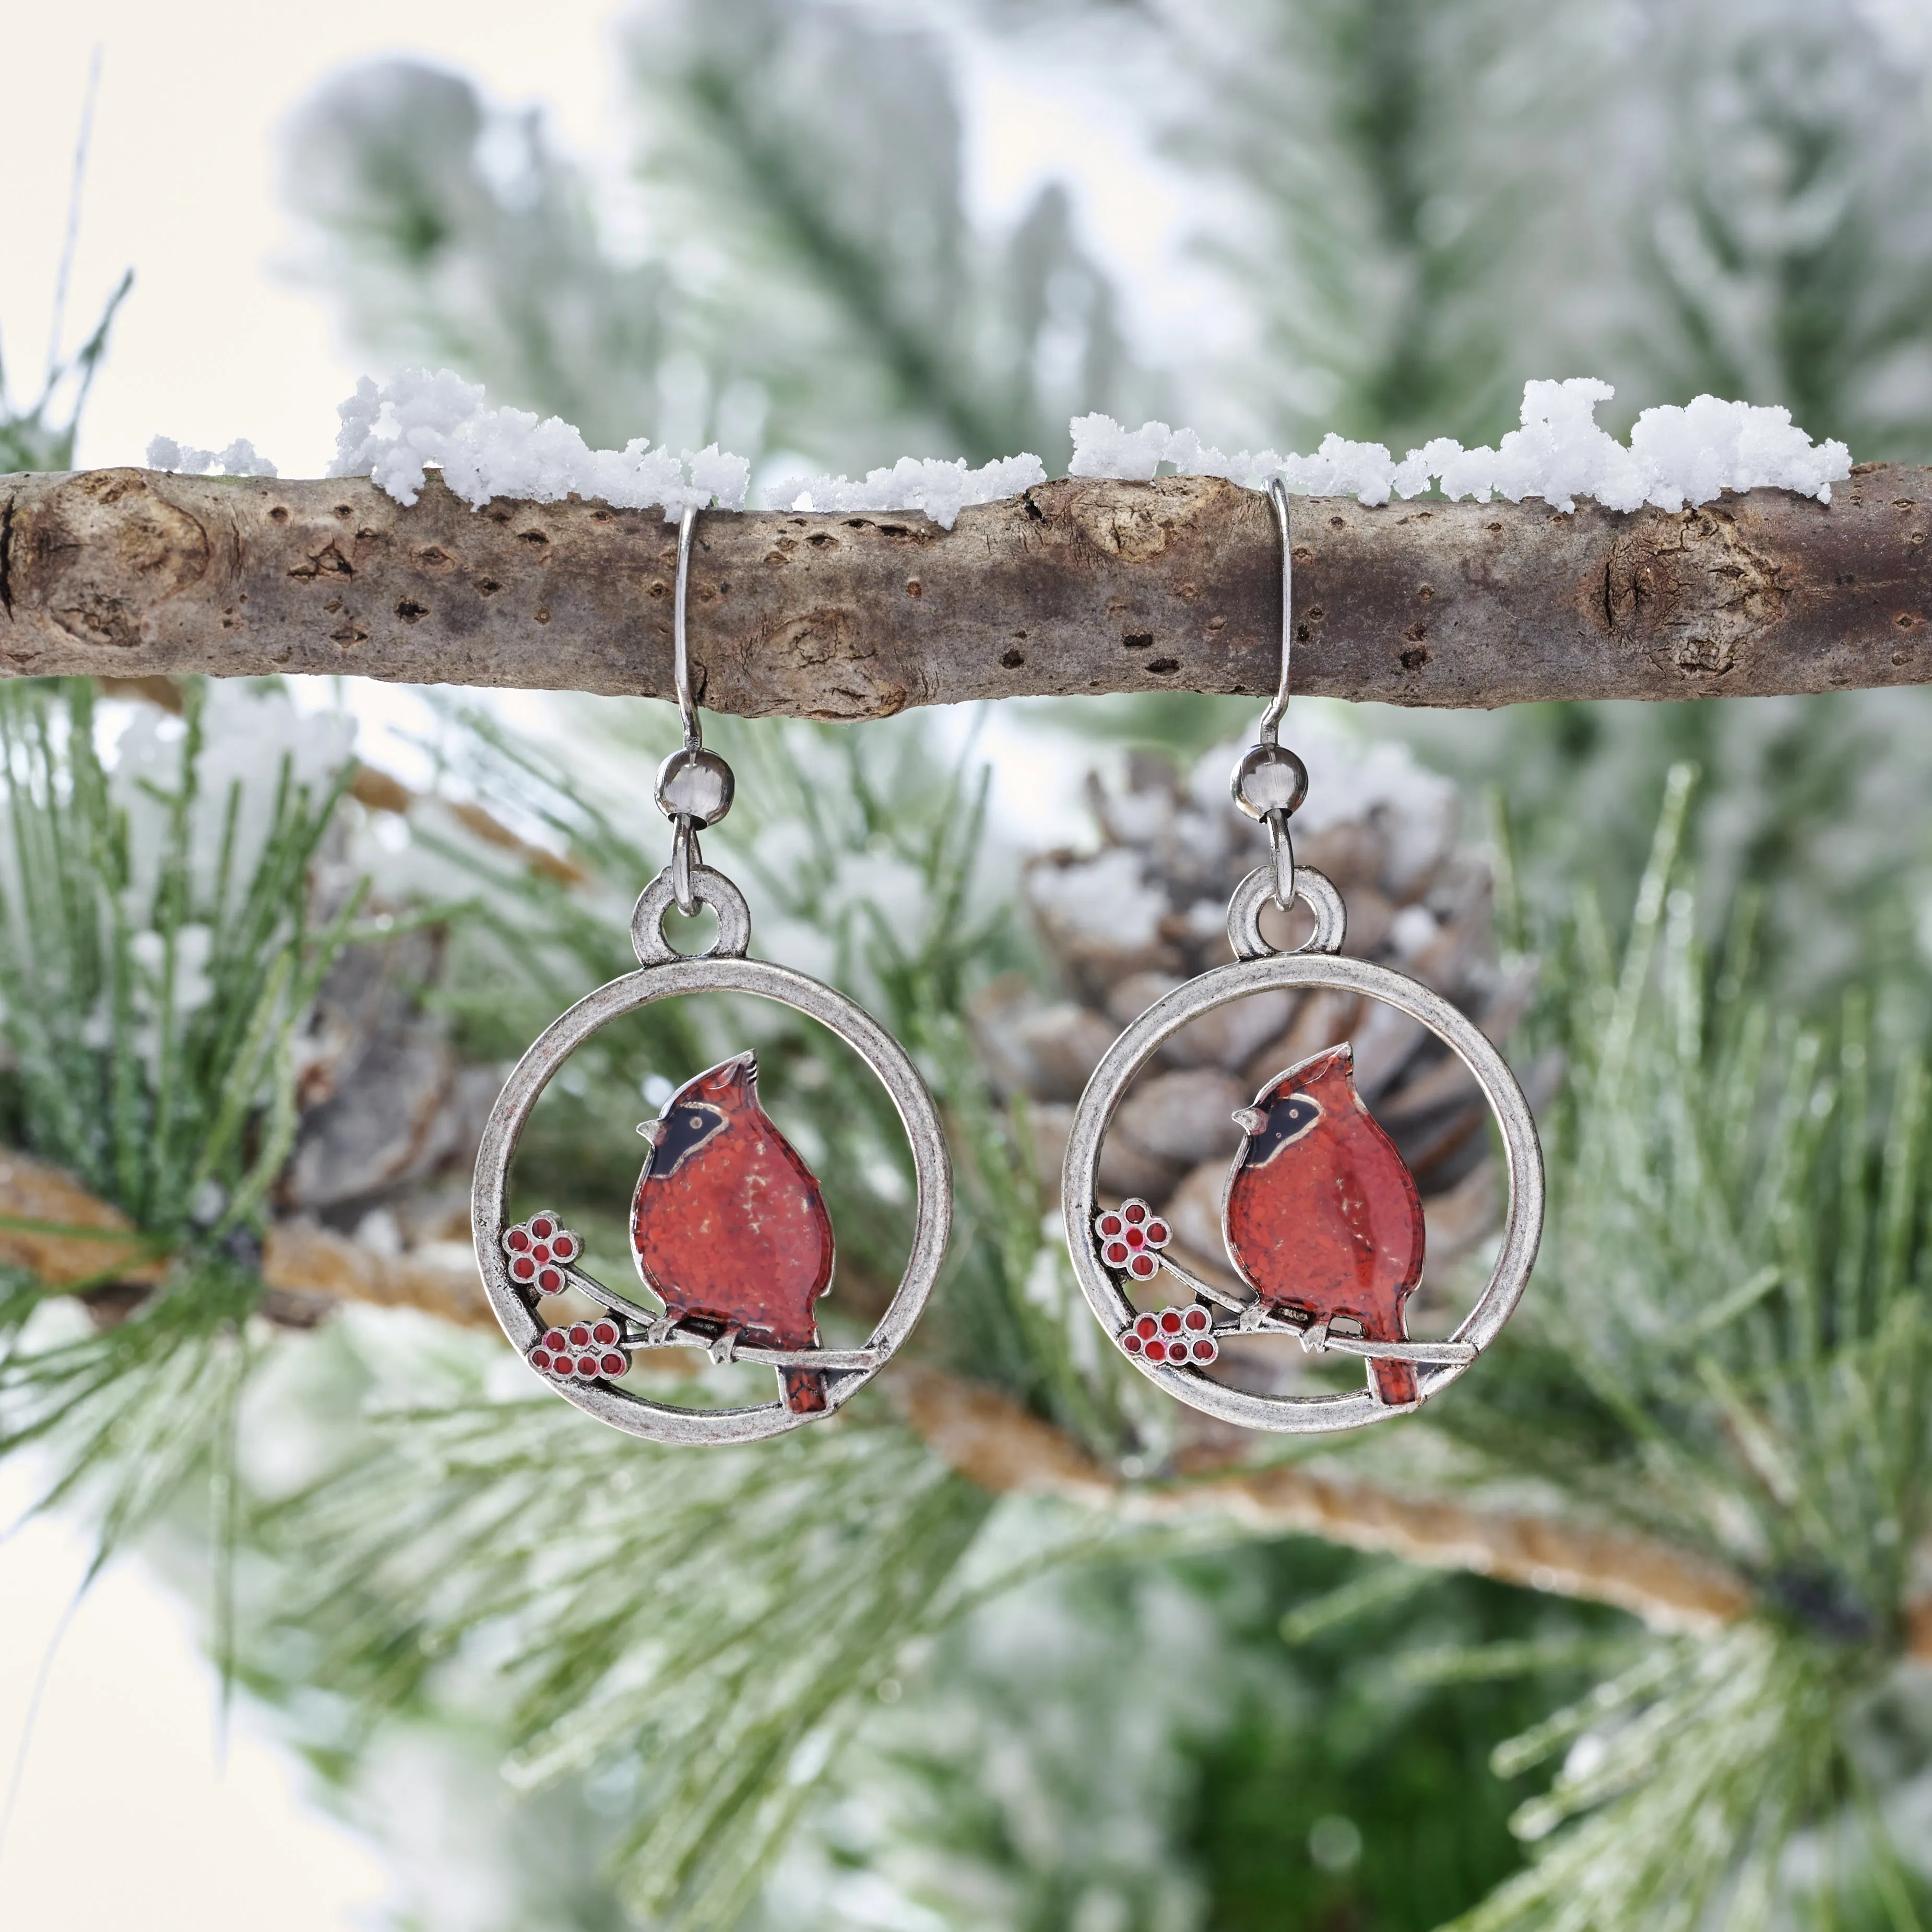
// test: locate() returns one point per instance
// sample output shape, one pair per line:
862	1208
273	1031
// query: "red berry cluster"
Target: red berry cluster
582	1352
1131	1237
540	1249
1174	1335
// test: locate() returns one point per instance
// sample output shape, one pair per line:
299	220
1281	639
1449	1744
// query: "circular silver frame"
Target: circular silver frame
1263	971
716	971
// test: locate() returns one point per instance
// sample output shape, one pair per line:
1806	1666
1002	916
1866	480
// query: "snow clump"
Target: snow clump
1675	456
393	432
942	489
238	459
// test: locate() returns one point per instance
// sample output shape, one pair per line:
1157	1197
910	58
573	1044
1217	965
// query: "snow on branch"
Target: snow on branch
238	459
394	433
1675	457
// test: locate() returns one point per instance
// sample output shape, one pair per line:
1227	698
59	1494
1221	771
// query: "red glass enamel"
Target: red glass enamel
735	1231
1326	1216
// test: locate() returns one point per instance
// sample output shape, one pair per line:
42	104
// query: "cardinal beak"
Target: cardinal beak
1249	1120
652	1131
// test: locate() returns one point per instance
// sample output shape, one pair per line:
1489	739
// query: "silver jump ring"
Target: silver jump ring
667	1422
1281	846
685	859
1122	1062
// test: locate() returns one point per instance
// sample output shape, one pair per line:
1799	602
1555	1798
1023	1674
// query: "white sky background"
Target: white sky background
219	340
125	1815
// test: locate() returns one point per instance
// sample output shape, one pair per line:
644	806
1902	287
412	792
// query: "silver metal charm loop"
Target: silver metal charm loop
1281	849
845	1371
707	888
1261	887
685	858
1437	1364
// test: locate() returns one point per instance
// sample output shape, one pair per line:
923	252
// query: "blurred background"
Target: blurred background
316	1612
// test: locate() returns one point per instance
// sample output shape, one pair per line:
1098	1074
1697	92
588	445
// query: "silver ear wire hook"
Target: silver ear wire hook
1270	781
695	787
680	640
1270	733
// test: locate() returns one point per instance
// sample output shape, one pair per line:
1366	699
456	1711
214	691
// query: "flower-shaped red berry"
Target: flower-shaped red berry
540	1249
1131	1237
582	1352
1180	1337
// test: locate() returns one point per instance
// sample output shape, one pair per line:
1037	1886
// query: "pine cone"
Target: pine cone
1125	925
390	1115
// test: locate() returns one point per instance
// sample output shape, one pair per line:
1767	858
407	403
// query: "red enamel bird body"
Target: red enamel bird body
1321	1214
728	1227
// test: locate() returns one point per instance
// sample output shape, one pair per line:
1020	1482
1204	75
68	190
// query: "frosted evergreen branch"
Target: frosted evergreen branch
1001	1448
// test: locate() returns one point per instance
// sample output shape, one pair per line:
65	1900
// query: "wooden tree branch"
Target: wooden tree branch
1077	587
1000	1447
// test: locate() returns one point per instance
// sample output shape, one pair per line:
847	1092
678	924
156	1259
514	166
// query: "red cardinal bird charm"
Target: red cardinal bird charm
1320	1215
727	1225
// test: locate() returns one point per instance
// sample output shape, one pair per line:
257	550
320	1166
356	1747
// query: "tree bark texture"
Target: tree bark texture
1078	586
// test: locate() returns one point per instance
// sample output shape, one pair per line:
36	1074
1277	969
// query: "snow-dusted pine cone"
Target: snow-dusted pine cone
390	1114
1126	924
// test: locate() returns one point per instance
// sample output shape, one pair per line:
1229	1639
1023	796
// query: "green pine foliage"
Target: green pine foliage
1726	1348
160	946
816	153
1729	1349
455	237
40	435
1785	173
697	1636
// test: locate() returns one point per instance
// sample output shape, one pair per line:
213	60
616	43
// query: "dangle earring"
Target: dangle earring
728	1230
1320	1217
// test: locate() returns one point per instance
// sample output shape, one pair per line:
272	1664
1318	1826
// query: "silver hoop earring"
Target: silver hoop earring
1320	1217
729	1233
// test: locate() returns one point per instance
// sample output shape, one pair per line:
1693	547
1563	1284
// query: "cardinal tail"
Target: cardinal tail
804	1391
1395	1382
